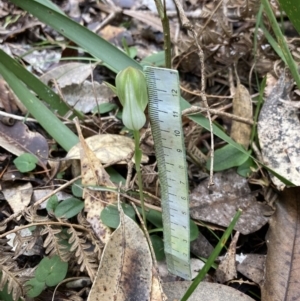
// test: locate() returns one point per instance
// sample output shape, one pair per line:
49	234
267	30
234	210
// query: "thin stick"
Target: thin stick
194	110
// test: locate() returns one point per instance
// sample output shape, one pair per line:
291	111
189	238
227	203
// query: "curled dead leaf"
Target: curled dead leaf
241	107
125	271
108	148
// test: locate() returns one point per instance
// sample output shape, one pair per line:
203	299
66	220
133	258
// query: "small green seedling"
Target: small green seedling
49	272
26	162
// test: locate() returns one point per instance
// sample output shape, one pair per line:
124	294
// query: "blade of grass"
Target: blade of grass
61	133
272	42
292	9
210	261
34	84
114	58
282	42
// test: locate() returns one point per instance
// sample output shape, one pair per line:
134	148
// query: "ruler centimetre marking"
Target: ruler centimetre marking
166	127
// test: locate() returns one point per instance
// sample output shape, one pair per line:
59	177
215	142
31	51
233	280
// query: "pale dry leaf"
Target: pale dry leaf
219	203
252	266
282	270
205	291
125	271
93	174
18	196
157	293
241	107
86	96
108	148
68	74
227	268
278	133
24	243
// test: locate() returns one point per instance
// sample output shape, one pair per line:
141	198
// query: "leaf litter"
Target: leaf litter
225	46
278	133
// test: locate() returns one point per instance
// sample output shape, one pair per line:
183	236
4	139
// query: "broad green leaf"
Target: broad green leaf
292	9
33	83
155	59
194	231
158	246
104	108
77	189
110	215
52	203
245	170
51	271
115	177
35	287
227	157
69	208
60	132
26	162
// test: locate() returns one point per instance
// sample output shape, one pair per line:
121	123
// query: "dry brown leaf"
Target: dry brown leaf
205	291
241	107
18	139
93	174
86	96
125	271
282	270
278	133
252	266
157	293
108	148
18	196
68	74
219	203
227	268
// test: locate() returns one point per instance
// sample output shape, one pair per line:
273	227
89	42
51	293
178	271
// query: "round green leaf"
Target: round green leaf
104	108
52	203
26	162
51	270
158	247
35	287
77	189
69	208
194	231
110	215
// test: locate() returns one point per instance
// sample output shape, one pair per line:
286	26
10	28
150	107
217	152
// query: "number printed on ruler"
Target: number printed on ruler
166	126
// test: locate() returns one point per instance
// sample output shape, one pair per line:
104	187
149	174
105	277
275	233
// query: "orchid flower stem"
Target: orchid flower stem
137	159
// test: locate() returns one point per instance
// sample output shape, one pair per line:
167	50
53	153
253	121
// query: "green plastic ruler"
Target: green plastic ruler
166	126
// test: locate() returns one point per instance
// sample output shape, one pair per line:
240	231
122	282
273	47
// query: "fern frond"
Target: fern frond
85	258
31	215
8	275
55	242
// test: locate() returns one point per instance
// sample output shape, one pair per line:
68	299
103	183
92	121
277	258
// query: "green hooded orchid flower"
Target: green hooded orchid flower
132	91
